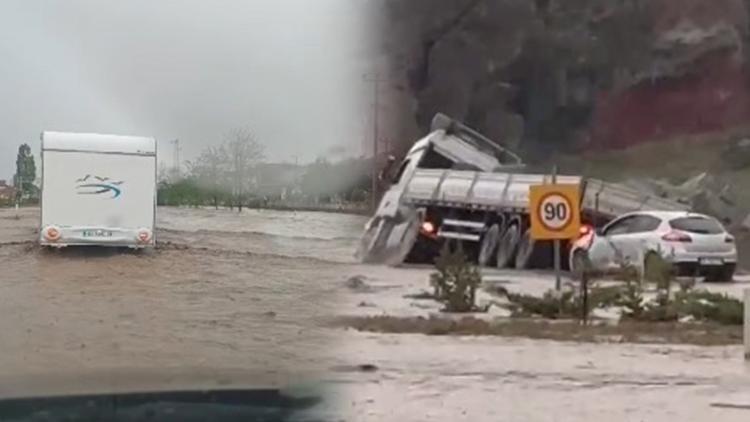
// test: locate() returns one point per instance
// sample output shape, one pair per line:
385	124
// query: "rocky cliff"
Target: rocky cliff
551	75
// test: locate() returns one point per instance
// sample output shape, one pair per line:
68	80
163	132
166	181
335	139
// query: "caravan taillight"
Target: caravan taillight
144	236
51	234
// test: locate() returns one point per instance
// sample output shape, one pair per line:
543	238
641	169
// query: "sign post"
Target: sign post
555	215
558	283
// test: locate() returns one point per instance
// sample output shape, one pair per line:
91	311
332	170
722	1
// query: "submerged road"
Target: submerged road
233	299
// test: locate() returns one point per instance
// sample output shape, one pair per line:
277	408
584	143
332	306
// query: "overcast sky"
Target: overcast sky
291	70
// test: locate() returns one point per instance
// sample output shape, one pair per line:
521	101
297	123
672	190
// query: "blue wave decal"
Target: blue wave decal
99	188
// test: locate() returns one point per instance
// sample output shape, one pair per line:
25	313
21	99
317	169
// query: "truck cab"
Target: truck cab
449	145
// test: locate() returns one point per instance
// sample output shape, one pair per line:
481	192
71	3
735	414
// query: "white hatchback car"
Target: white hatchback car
698	245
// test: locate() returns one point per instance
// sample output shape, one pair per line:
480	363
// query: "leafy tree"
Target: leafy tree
25	171
180	193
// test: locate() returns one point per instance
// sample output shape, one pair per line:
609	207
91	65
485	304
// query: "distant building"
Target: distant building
277	179
7	192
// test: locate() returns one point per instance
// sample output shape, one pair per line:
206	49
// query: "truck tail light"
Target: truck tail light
676	236
428	227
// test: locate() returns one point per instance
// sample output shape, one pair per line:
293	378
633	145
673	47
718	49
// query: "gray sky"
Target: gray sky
291	70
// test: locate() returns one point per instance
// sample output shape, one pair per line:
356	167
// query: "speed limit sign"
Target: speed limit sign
555	211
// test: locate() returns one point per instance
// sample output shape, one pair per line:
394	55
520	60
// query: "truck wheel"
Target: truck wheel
488	246
508	245
525	252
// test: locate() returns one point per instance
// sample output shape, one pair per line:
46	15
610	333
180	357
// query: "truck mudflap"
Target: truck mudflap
388	240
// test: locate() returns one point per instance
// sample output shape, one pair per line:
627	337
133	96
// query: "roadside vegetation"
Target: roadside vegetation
24	189
235	175
456	281
708	334
653	308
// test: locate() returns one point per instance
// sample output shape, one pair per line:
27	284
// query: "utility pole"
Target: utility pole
375	80
176	157
21	170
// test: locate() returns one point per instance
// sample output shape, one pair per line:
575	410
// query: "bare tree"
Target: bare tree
244	153
210	171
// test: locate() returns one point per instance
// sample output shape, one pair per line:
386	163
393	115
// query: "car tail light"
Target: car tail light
144	236
729	238
675	236
52	233
585	238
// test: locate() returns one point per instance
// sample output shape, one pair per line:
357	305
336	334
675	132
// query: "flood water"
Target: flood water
234	299
222	291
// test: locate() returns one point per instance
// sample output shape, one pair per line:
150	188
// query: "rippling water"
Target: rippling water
222	291
324	236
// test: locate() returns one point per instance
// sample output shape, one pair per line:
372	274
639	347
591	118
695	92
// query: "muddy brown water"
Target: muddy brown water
222	291
233	299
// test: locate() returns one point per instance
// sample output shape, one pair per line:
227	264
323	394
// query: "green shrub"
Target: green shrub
706	306
551	305
456	280
631	299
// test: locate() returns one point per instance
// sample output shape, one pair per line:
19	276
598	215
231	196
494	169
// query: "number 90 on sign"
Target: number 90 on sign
555	213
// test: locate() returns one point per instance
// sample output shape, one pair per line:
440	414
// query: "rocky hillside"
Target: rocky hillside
551	75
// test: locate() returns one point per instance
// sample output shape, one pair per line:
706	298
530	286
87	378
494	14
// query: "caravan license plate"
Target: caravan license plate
712	261
97	233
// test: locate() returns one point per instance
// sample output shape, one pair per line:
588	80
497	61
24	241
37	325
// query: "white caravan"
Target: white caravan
98	190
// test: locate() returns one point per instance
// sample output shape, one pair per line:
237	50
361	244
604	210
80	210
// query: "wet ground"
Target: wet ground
222	291
232	299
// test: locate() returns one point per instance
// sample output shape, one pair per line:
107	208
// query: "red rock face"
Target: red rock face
715	98
706	91
701	13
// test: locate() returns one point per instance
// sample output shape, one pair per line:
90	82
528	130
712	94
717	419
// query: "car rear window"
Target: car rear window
700	225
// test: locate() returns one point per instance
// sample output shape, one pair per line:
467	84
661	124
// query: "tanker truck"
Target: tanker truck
456	185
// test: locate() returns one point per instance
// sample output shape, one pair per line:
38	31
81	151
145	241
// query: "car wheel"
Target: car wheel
488	246
579	264
724	274
506	251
